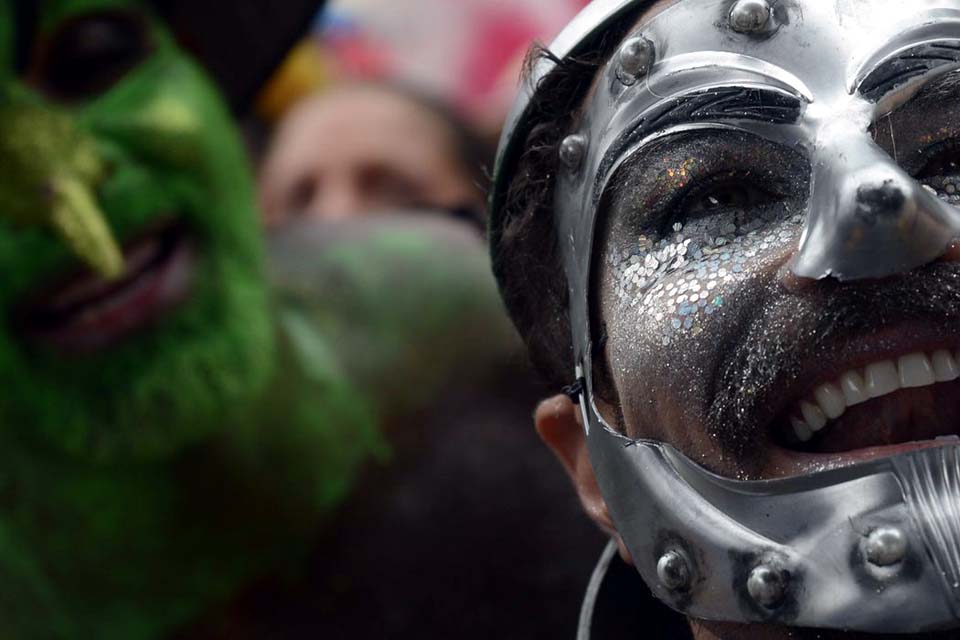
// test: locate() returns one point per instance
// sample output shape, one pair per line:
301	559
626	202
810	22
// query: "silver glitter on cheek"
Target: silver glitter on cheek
947	188
682	280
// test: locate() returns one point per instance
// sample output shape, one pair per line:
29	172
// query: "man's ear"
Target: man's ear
560	426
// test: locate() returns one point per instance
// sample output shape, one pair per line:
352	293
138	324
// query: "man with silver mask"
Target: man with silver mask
730	226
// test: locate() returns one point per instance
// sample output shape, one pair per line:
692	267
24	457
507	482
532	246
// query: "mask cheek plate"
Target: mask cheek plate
781	552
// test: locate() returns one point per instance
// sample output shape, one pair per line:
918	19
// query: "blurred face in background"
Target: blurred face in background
364	149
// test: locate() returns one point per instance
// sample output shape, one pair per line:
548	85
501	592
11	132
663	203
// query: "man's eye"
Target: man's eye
723	195
88	54
301	195
941	161
941	170
388	188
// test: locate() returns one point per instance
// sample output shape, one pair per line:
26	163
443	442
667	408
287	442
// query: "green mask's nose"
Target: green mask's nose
49	172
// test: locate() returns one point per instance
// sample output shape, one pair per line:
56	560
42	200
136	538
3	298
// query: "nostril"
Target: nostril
878	201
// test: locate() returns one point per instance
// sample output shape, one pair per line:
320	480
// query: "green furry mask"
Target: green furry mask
123	144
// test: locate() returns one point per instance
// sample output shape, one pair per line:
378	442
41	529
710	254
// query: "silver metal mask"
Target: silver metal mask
873	547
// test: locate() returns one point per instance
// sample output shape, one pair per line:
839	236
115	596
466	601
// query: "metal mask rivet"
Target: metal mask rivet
767	586
673	570
572	150
750	16
635	59
885	546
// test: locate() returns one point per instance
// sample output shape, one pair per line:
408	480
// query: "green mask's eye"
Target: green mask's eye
88	54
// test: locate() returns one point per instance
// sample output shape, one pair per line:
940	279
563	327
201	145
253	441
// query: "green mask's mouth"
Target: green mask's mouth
82	312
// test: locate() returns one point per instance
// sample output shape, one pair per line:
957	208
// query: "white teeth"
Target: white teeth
813	416
854	388
831	400
801	429
945	367
882	379
915	371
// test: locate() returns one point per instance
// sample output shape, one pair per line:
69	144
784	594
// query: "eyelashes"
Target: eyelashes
940	170
727	191
695	178
752	181
939	160
719	181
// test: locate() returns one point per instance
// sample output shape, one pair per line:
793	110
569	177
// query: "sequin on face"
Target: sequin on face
678	288
681	277
947	188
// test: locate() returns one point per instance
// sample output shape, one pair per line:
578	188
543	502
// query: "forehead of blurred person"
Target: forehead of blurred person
362	149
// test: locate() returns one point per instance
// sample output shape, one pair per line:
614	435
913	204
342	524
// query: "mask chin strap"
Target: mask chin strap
844	549
585	624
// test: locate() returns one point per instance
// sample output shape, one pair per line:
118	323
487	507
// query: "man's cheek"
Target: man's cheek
666	343
676	288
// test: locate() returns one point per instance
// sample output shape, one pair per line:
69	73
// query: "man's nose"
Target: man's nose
339	199
869	218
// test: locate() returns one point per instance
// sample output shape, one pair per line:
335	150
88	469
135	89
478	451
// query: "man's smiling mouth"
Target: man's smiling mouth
83	312
887	407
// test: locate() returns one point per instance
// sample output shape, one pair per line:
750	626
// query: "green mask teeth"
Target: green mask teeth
80	223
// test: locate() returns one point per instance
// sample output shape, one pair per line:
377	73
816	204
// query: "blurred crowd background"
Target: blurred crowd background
467	53
373	144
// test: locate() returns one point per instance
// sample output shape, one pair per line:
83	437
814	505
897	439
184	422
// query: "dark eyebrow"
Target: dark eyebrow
906	66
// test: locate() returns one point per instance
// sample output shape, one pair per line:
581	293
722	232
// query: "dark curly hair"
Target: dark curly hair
526	258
